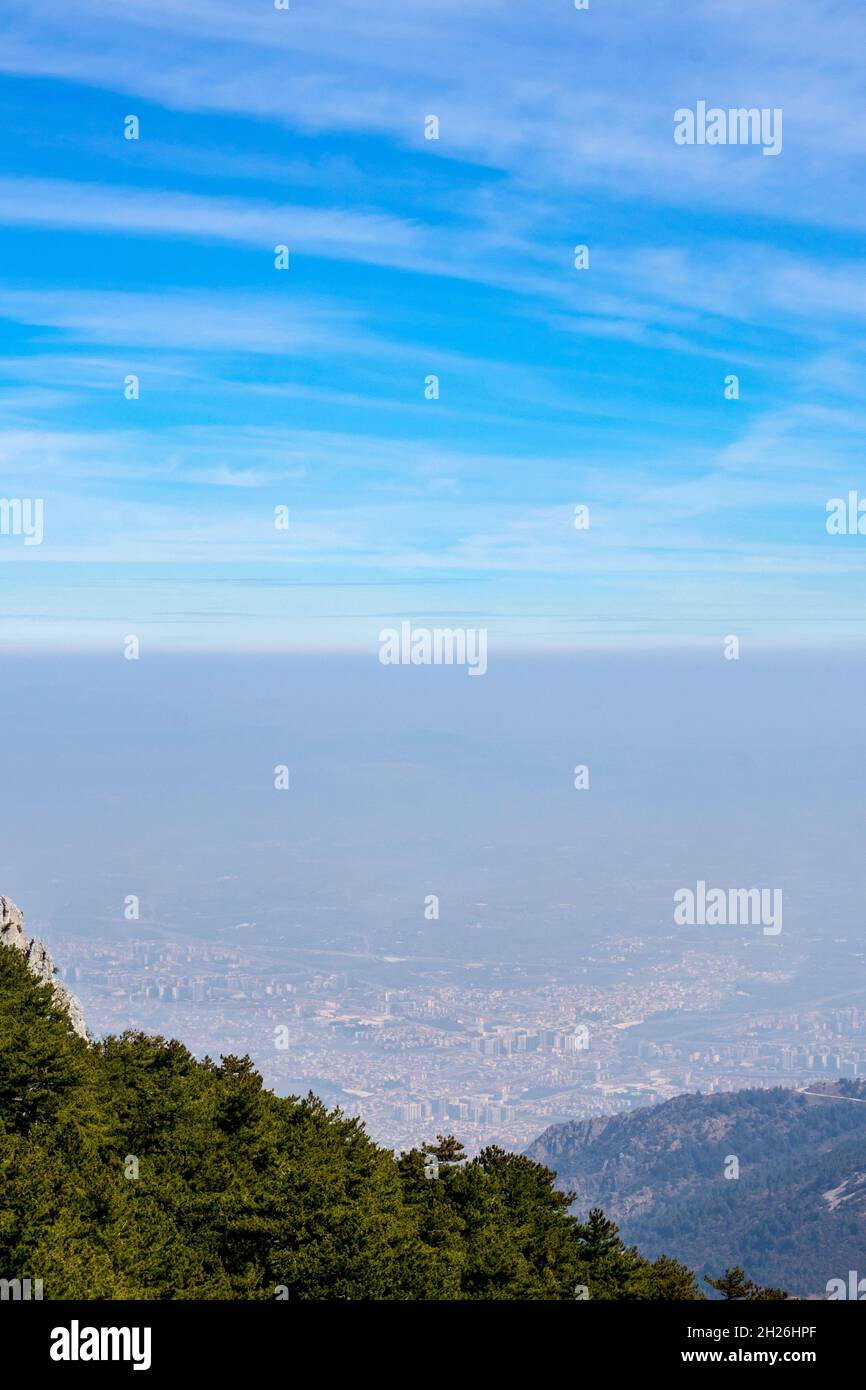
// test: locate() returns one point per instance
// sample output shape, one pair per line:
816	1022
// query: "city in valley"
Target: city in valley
492	1051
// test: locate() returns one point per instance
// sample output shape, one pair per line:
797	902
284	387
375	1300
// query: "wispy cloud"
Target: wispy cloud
417	261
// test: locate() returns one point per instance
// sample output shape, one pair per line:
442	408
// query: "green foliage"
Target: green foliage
128	1169
734	1285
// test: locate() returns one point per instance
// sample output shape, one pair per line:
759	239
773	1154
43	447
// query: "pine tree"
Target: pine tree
733	1284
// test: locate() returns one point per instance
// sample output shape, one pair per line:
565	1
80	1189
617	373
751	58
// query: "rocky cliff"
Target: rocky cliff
39	961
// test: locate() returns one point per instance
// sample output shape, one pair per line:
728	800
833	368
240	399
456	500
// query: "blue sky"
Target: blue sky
454	257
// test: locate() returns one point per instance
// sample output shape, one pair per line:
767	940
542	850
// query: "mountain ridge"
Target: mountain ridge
773	1180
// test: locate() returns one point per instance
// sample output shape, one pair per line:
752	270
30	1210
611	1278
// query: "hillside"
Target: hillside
795	1216
128	1169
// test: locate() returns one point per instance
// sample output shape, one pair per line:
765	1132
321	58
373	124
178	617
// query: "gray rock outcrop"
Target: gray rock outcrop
39	962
